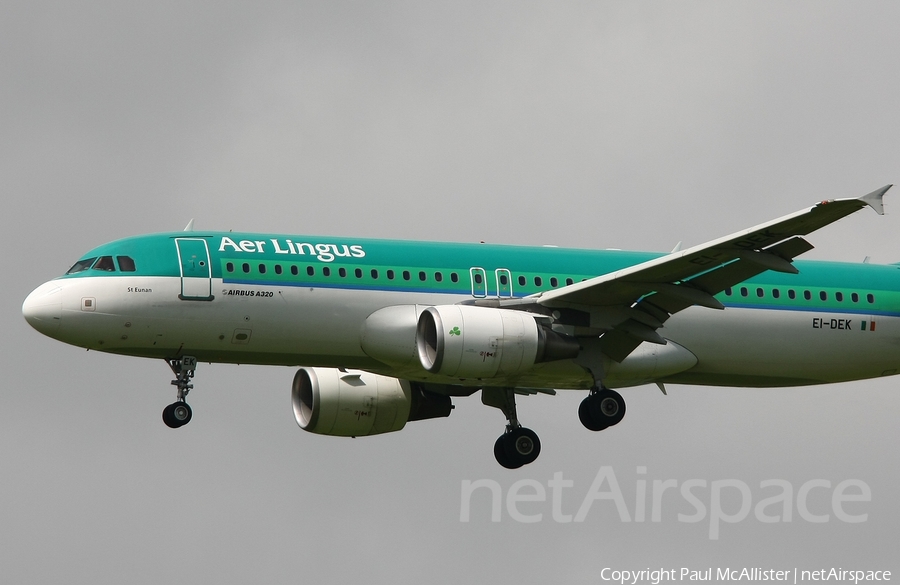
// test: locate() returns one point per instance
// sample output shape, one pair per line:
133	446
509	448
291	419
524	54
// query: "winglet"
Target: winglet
190	226
874	199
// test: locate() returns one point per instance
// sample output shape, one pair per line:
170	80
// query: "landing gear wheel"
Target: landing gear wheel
587	419
501	456
601	409
608	407
522	445
182	413
177	415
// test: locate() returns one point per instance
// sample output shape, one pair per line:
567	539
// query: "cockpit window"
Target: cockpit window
126	263
82	265
105	263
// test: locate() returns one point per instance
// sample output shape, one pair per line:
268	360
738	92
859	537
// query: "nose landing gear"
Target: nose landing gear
179	413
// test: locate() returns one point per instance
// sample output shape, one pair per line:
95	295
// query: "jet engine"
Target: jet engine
480	342
354	403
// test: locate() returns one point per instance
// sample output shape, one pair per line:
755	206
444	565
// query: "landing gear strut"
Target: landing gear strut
179	412
601	409
518	446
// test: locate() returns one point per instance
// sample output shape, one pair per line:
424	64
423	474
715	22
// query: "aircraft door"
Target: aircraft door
504	283
479	282
196	272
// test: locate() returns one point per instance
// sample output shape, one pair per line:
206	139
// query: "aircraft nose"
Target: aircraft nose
43	308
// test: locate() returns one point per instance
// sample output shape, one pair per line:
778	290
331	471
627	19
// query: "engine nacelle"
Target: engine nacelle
328	401
353	403
389	335
480	342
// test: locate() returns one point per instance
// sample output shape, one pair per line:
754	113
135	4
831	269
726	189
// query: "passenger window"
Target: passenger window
743	291
776	293
454	277
342	272
326	271
390	274
503	280
262	268
126	263
422	276
278	269
823	295
229	267
522	281
478	278
791	294
246	268
105	263
569	281
728	292
358	272
438	277
871	298
294	270
82	265
854	297
807	295
554	282
406	275
759	292
374	274
839	296
311	271
538	281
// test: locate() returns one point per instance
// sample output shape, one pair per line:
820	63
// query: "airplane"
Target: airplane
385	332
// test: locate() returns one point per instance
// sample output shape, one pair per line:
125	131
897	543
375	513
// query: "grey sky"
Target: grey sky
594	124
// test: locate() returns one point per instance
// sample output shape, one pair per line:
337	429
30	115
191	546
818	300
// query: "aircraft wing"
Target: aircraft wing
629	305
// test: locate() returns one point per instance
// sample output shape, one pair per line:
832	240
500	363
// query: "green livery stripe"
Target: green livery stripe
531	269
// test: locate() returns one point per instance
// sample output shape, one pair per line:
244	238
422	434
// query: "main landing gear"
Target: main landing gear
179	412
518	446
601	409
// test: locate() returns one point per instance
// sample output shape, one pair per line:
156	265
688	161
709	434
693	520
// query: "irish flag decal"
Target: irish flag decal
868	325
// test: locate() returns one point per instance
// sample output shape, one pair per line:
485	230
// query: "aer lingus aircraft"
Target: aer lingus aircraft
387	331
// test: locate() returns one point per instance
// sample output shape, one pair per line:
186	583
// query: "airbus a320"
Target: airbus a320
385	331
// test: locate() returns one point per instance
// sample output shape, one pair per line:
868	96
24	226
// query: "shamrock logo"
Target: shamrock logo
455	331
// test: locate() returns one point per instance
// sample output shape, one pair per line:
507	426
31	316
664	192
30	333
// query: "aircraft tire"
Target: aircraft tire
182	413
177	415
500	453
587	418
522	446
608	407
168	417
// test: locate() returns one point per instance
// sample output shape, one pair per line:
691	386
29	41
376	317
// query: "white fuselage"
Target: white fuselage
289	325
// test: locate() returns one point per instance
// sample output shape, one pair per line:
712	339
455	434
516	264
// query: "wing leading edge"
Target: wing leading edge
629	305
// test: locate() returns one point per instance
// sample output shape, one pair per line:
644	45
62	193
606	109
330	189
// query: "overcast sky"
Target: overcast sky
595	124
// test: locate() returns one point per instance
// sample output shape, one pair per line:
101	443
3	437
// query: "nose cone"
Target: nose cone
43	307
